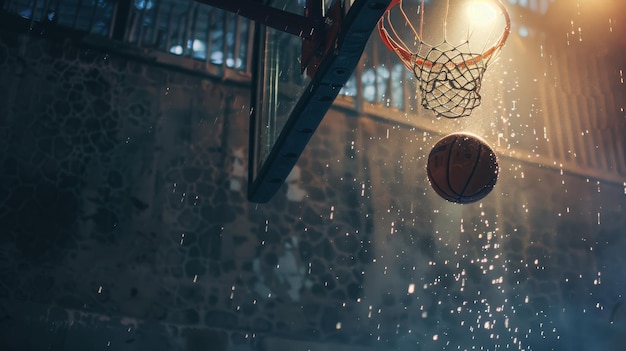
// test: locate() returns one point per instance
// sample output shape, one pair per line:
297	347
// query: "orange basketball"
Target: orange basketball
462	168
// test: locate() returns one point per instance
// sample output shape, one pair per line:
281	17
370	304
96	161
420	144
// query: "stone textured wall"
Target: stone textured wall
123	219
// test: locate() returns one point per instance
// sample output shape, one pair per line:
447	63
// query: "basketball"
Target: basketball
462	168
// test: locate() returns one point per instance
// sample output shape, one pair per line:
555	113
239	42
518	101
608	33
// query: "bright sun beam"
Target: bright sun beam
481	12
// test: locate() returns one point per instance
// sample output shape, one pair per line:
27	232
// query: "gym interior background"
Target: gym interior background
124	223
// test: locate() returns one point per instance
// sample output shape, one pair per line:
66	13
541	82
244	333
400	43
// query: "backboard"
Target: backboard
296	78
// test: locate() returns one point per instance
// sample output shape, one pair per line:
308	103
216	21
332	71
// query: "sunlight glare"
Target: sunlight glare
481	12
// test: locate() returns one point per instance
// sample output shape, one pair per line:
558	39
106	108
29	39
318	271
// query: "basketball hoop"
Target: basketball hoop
449	72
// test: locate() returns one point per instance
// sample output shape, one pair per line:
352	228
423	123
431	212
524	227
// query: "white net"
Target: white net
449	72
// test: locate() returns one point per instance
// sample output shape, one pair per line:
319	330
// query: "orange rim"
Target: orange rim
411	60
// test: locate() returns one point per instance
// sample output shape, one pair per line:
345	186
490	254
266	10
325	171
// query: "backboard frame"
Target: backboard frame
342	50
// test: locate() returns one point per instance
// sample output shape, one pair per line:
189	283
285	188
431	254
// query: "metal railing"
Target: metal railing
182	28
192	30
93	16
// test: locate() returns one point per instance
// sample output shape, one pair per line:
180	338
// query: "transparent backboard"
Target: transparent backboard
279	83
296	81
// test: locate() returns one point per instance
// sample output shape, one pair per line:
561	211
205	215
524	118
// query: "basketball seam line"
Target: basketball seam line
469	179
448	171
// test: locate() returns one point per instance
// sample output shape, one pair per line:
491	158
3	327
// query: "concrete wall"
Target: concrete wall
124	223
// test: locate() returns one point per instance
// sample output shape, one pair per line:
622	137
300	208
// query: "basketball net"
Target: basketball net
450	71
